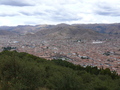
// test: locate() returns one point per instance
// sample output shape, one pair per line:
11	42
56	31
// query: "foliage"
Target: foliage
23	71
9	48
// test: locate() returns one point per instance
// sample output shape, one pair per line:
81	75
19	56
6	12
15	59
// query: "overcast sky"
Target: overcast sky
32	12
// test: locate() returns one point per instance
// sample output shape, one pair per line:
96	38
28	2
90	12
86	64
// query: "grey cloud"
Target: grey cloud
9	15
63	15
64	18
108	13
32	13
25	13
54	15
106	10
19	3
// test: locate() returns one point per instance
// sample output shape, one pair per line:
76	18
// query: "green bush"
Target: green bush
22	71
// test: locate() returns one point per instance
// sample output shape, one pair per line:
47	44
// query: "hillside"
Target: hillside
5	32
24	29
63	31
22	71
102	28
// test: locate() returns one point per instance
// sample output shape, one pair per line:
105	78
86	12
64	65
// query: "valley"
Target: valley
79	44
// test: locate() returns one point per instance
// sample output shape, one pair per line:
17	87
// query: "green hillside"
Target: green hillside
22	71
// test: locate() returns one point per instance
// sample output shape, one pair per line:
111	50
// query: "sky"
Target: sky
34	12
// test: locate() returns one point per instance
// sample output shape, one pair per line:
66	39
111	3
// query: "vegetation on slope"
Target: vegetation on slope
22	71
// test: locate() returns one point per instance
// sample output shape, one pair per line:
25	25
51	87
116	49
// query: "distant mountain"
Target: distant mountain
24	29
4	32
29	29
102	28
64	31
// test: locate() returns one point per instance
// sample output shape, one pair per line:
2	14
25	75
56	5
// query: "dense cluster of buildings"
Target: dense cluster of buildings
104	54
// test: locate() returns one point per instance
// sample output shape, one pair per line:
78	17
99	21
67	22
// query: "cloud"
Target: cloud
8	14
32	13
108	13
63	15
108	8
19	3
8	11
59	11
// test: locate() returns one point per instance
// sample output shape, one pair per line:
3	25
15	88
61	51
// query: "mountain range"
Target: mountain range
64	31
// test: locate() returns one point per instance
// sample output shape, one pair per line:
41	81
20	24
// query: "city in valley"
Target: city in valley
86	45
